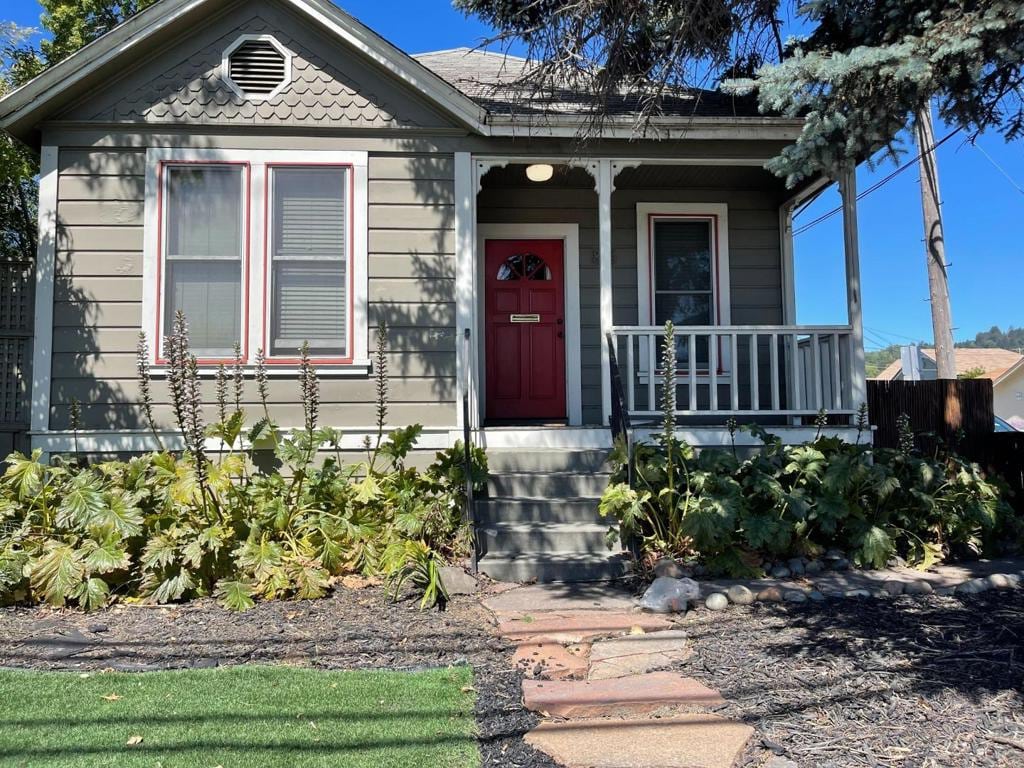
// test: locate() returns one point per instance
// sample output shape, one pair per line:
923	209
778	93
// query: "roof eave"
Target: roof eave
626	126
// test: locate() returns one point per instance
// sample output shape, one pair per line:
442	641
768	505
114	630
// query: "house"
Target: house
282	173
1003	367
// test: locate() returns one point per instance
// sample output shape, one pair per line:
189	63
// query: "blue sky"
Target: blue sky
982	209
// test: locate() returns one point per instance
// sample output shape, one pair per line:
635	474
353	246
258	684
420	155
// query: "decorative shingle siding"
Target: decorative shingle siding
194	91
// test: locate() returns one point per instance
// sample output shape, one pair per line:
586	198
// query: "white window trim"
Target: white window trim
258	160
236	88
718	215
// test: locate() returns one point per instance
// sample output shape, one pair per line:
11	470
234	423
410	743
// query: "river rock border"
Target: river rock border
799	581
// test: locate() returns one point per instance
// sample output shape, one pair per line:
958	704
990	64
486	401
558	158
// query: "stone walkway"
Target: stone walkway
591	664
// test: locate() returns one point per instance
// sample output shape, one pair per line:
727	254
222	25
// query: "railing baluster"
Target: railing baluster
713	369
630	373
755	383
651	368
795	364
691	369
734	383
837	375
773	354
819	396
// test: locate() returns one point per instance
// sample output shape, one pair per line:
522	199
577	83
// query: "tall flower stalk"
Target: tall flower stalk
222	393
146	385
380	370
310	386
238	376
668	408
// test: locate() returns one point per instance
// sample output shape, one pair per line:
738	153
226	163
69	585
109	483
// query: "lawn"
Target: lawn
239	717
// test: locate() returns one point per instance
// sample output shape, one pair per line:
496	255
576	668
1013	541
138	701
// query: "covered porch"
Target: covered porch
563	286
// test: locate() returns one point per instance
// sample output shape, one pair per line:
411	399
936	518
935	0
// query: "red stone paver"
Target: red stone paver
639	653
684	741
551	661
634	695
577	627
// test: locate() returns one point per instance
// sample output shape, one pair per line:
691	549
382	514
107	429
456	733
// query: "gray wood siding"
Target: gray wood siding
755	260
99	284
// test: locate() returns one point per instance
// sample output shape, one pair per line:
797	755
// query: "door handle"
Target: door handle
559	321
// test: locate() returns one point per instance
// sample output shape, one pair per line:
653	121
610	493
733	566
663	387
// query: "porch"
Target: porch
623	227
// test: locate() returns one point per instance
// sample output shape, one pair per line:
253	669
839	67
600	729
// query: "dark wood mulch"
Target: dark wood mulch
353	628
905	682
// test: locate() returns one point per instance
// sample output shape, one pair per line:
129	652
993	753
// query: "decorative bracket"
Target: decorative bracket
618	166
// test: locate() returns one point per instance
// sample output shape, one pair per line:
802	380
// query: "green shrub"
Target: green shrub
735	513
166	527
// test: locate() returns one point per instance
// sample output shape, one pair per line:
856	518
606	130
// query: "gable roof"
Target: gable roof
996	363
499	82
485	101
22	108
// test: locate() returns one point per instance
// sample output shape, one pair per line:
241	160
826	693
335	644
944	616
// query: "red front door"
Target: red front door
524	311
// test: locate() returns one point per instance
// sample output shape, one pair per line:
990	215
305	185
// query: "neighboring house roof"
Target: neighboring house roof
500	83
484	100
996	363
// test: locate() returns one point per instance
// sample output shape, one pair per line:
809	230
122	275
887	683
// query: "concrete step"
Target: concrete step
555	566
583	461
516	538
547	484
526	510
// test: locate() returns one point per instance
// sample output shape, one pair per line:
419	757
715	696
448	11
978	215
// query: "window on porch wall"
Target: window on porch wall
683	287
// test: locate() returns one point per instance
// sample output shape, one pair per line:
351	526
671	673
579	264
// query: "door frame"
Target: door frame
569	234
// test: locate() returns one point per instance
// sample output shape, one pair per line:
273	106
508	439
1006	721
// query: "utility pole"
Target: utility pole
935	246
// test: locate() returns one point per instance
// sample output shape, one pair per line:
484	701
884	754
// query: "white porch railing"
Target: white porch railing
740	370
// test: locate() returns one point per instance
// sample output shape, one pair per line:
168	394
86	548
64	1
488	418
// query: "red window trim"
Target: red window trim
159	359
349	357
716	285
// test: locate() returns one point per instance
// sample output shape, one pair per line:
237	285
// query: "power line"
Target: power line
878	185
997	166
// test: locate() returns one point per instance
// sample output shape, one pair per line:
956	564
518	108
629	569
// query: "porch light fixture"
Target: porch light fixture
539	172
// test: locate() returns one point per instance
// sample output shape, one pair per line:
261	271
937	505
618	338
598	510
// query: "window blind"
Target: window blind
309	254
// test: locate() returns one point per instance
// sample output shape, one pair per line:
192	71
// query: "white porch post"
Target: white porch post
465	286
46	255
851	247
604	206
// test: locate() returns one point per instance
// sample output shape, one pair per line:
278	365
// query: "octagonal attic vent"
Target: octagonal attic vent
257	67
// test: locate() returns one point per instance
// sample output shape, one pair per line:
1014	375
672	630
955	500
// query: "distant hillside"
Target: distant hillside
995	338
878	360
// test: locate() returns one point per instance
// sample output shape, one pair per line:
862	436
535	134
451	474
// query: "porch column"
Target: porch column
604	209
851	247
465	288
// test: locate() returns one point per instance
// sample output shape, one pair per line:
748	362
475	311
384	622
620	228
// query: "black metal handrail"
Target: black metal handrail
619	421
467	455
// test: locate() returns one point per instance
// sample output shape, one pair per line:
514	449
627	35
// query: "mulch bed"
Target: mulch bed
906	682
353	628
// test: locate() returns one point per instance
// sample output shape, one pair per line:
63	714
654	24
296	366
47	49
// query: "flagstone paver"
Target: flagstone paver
636	654
633	695
684	741
551	661
577	627
563	597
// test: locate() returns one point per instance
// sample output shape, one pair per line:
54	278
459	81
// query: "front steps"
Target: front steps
539	521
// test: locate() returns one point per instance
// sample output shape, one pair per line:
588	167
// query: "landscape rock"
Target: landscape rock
973	587
795	596
741	595
98	629
816	597
796	566
919	587
716	601
667	595
780	762
456	581
842	564
770	595
857	593
814	567
551	661
780	572
669	568
893	588
1003	581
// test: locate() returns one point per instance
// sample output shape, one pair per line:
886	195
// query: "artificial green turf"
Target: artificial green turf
239	717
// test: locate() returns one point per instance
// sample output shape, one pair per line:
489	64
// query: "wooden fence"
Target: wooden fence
947	409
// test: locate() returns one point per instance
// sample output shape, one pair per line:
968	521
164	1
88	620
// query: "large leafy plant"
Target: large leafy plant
737	513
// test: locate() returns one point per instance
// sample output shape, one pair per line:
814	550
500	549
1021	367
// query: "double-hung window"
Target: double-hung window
264	250
682	271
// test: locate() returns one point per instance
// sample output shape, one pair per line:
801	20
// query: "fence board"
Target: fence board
944	408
